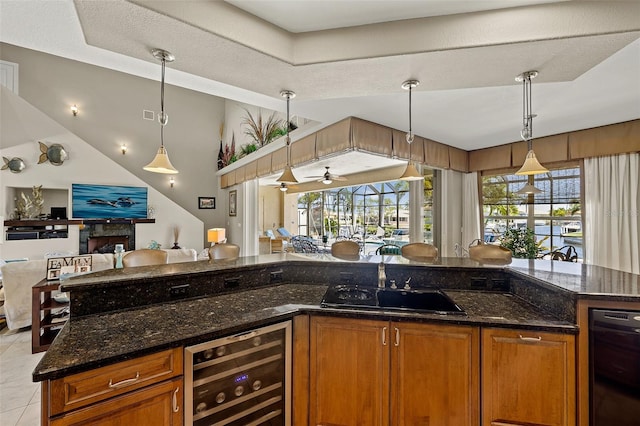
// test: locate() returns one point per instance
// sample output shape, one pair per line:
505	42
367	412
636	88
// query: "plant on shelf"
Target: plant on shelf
176	234
262	131
227	155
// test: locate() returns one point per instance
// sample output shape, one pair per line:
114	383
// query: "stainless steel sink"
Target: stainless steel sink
420	300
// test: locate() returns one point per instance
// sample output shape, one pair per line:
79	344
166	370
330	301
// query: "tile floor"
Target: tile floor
19	396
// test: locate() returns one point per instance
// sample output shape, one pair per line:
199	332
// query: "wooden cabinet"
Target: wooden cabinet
142	391
365	372
434	374
528	378
349	372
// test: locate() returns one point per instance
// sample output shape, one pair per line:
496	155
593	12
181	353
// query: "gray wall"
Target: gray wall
110	113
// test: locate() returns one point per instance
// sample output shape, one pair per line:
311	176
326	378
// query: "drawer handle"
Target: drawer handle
175	400
244	336
530	339
124	382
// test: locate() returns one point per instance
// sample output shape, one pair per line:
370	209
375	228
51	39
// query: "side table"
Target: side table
44	325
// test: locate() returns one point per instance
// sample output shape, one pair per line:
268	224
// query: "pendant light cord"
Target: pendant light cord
163	119
527	118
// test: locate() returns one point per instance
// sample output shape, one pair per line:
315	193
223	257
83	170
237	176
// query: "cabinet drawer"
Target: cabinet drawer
86	388
159	404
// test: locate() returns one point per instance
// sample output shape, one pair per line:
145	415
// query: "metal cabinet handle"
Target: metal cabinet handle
176	408
397	342
384	336
244	336
529	339
124	382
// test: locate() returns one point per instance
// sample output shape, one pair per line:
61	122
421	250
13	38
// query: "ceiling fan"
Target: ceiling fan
283	186
327	178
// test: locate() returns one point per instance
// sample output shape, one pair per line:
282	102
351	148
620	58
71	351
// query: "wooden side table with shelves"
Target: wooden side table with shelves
44	325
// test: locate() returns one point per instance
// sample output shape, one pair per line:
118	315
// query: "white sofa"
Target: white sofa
19	277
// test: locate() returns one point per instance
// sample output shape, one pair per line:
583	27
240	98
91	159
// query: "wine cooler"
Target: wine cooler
241	380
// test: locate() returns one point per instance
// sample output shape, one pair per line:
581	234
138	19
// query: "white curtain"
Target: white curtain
470	209
612	212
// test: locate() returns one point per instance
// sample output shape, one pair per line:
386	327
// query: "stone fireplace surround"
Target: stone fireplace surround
102	238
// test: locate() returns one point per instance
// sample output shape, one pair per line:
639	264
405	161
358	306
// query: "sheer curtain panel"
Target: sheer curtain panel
612	212
470	209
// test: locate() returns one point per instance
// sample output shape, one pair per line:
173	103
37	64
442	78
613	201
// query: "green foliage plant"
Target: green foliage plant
261	131
521	242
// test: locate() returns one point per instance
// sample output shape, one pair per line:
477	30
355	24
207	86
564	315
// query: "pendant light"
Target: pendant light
410	172
161	163
531	164
287	175
528	189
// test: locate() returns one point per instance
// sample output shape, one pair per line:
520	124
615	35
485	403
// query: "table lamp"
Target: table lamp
216	235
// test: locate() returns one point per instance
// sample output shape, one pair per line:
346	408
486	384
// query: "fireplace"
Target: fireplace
102	238
106	244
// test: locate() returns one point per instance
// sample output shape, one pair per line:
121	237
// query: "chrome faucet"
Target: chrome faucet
406	284
382	275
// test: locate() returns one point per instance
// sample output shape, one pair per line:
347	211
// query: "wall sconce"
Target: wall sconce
171	181
74	110
123	148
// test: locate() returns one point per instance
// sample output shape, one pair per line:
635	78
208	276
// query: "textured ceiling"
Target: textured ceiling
588	55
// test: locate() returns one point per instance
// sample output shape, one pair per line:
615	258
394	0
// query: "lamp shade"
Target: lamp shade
411	173
287	176
529	189
215	235
161	163
531	165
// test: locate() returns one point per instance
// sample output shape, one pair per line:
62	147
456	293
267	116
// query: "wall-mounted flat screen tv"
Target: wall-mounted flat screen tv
108	201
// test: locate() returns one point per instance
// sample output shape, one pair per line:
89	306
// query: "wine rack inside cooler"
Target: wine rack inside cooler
240	380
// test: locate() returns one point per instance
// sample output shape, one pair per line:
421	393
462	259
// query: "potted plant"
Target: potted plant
262	131
522	243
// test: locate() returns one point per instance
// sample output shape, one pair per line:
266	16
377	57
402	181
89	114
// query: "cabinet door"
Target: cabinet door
528	378
349	372
159	404
434	375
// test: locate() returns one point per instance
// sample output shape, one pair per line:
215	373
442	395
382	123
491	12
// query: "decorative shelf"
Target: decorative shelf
33	223
38	223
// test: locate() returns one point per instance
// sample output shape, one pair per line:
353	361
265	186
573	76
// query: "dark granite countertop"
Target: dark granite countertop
586	281
93	341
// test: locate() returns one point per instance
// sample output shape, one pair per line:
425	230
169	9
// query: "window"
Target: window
379	210
554	215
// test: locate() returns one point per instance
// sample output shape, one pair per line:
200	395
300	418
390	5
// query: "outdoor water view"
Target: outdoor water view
554	215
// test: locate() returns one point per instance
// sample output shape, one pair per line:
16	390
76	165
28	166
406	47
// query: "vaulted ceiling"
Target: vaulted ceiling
349	58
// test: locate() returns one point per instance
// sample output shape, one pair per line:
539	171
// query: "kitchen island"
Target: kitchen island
127	314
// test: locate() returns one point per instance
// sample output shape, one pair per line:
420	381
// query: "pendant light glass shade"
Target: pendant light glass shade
528	189
161	162
410	172
531	164
287	175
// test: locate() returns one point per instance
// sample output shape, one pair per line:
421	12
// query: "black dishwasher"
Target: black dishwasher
240	380
614	342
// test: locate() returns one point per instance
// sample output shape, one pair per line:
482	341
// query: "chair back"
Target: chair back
264	245
565	253
144	257
224	251
277	245
419	251
346	249
388	249
490	253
